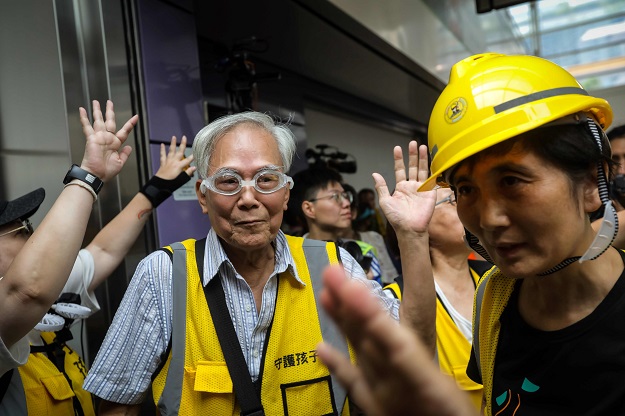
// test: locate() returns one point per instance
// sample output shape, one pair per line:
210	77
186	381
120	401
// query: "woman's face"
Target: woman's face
524	210
445	229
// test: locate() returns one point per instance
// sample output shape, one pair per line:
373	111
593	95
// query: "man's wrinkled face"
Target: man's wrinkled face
249	220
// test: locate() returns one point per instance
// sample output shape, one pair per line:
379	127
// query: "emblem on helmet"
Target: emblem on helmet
455	110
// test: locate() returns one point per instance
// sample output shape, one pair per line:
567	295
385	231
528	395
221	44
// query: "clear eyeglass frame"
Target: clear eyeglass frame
338	197
26	226
451	200
230	183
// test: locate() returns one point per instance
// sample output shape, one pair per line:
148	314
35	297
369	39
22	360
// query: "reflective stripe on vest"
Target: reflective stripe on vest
170	399
316	258
491	299
14	400
479	298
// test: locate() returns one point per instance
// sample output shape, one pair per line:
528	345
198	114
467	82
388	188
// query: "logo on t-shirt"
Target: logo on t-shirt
511	401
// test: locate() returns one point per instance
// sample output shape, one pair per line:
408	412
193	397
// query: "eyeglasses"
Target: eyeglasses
26	226
228	182
338	197
451	200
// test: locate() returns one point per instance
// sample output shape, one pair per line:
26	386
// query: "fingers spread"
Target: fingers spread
98	118
124	152
190	170
163	154
380	185
87	129
123	133
110	117
172	145
423	171
413	160
400	169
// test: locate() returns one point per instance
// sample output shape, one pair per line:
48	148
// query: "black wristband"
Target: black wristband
158	189
76	172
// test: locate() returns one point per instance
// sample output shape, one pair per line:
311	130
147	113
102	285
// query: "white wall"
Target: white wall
371	146
616	98
34	145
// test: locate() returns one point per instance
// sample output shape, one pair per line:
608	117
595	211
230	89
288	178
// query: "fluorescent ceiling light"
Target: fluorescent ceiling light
607	65
603	31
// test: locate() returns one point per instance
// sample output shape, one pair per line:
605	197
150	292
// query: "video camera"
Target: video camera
329	156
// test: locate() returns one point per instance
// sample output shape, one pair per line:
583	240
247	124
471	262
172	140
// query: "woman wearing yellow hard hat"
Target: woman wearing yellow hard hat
523	147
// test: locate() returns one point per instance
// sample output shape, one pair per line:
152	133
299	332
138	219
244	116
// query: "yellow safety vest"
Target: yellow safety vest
195	379
49	391
491	297
453	350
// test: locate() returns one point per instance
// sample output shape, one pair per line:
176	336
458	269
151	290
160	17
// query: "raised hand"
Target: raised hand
410	212
395	374
406	209
104	155
173	162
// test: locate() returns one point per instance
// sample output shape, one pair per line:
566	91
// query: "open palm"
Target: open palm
104	154
407	209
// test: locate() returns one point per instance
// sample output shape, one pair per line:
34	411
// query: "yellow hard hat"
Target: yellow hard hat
493	97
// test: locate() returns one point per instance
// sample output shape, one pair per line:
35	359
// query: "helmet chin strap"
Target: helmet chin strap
609	223
474	244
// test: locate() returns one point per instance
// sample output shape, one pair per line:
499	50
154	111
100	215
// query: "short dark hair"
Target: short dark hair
617	132
307	183
569	147
365	191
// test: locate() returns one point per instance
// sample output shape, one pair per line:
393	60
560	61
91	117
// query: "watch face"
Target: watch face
76	172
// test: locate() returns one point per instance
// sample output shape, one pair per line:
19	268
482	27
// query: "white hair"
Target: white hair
206	139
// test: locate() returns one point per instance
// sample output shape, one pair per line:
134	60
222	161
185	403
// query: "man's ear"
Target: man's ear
201	197
287	195
308	208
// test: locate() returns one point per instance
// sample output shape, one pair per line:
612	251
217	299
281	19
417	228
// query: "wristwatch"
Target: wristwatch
76	172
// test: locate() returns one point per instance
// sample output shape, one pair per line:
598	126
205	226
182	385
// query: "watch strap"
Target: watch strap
76	172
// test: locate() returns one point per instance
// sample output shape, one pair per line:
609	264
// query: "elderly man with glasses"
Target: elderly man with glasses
230	324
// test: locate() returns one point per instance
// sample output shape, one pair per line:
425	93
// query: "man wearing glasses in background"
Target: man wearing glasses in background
320	201
263	285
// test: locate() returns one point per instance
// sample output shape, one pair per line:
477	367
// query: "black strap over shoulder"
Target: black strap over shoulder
5	380
244	389
200	247
480	266
400	282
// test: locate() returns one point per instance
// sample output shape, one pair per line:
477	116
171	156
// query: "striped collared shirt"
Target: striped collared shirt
139	335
